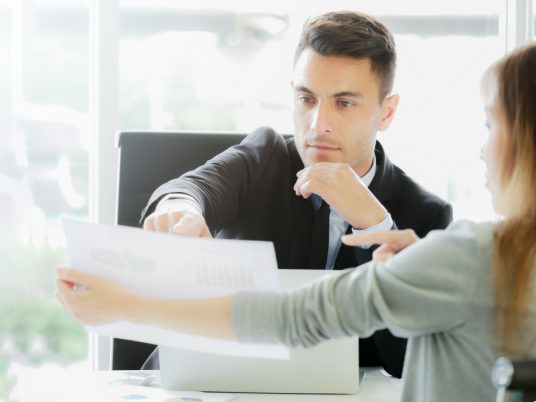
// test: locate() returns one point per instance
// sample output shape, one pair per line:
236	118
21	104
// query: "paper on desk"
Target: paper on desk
166	266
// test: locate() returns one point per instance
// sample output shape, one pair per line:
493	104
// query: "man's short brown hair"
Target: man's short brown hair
355	35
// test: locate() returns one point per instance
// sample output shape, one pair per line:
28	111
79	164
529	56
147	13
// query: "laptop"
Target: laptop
331	367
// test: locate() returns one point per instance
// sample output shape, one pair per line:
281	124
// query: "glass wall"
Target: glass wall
43	175
201	66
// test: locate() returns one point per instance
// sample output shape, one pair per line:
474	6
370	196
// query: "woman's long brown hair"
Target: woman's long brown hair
514	258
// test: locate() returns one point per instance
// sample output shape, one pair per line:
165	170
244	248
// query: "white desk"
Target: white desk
375	387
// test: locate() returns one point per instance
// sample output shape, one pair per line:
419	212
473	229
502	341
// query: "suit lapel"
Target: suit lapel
383	181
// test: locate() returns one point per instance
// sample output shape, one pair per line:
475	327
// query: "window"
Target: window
199	66
533	19
43	174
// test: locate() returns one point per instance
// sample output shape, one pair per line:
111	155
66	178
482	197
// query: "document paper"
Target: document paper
168	266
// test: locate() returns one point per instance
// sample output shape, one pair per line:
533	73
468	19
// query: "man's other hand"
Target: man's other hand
340	186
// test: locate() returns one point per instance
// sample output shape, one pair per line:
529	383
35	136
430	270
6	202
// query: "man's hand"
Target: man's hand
340	186
177	216
91	299
391	242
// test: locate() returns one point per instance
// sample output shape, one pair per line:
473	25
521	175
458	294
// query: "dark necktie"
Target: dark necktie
319	239
346	257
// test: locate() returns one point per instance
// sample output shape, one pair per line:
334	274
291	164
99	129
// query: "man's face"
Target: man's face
337	110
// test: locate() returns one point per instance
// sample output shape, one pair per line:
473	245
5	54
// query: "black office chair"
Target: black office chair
146	160
515	376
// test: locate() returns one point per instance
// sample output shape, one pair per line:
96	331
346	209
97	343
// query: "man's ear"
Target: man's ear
389	105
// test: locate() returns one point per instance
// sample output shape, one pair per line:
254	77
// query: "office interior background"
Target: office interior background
75	72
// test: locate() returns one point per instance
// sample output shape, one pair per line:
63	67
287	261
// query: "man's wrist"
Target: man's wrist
385	225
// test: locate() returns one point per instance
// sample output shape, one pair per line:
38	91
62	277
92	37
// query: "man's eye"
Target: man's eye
344	104
305	99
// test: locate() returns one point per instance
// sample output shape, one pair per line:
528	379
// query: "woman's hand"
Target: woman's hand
391	242
91	299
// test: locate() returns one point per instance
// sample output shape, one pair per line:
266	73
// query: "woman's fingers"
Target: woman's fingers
391	242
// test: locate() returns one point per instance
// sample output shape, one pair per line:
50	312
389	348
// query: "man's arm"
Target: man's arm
218	188
445	216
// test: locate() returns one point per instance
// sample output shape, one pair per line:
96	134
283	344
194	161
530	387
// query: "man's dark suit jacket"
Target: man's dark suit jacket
247	192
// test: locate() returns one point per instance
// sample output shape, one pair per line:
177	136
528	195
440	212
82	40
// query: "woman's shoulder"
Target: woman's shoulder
480	232
464	238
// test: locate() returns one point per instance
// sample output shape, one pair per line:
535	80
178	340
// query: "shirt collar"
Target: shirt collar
367	178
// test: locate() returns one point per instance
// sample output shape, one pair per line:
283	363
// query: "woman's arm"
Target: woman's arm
424	289
95	300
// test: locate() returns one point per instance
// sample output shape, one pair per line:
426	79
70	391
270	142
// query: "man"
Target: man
333	177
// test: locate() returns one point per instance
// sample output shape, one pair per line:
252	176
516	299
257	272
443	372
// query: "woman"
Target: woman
462	296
